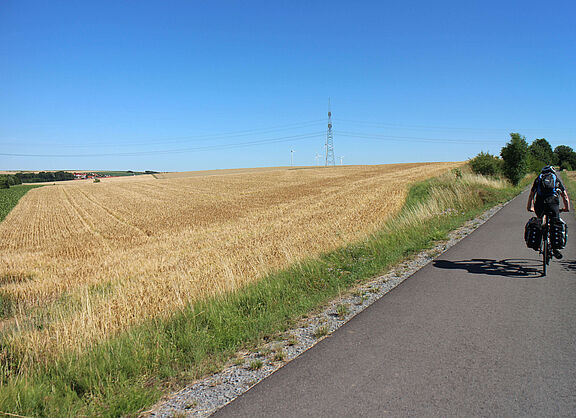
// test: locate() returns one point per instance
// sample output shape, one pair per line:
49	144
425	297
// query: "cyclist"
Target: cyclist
544	199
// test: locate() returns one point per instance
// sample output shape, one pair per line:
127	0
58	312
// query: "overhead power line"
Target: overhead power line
178	139
408	126
404	126
173	151
413	138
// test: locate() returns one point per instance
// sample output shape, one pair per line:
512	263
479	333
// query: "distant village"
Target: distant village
84	176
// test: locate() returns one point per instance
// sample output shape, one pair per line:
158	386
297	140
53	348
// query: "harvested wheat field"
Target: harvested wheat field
83	261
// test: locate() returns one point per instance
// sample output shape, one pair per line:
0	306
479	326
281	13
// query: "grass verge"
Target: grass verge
132	371
569	180
10	197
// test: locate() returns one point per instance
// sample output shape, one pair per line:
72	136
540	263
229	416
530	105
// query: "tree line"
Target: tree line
517	158
7	180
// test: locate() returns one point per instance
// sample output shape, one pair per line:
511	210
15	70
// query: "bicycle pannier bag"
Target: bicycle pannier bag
533	233
558	233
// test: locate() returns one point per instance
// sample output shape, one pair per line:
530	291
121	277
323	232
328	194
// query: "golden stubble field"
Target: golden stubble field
82	261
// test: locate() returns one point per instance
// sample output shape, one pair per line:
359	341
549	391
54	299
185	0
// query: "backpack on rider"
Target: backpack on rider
547	184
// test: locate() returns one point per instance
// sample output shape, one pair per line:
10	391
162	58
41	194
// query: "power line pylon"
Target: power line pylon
329	140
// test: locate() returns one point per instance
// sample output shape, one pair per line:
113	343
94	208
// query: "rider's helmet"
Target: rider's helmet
548	169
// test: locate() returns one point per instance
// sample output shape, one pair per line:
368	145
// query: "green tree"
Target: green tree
542	150
486	164
515	156
566	157
44	176
13	180
541	154
4	182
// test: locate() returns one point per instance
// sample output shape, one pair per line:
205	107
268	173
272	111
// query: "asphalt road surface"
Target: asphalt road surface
477	332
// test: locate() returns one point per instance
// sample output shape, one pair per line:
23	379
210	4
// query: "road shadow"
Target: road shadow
568	265
514	268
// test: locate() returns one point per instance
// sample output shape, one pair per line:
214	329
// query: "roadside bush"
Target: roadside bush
515	157
486	164
457	173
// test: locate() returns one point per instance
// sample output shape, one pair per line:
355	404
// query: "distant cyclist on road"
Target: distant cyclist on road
543	199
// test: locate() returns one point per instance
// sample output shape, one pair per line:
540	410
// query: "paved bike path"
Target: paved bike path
477	332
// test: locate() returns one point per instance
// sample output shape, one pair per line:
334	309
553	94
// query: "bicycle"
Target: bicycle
546	247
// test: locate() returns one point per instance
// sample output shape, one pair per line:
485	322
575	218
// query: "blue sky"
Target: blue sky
192	85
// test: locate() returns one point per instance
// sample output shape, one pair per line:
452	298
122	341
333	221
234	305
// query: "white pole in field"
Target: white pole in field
291	158
341	159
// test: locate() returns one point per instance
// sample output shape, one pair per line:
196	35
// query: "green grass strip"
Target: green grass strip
570	187
10	197
130	372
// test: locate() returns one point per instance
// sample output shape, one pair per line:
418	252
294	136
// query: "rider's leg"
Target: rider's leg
552	209
539	207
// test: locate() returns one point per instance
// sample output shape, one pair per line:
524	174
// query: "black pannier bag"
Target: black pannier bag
533	233
558	233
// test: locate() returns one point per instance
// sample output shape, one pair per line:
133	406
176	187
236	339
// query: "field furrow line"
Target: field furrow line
114	215
84	218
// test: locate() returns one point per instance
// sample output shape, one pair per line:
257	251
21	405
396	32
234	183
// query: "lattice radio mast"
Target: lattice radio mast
329	140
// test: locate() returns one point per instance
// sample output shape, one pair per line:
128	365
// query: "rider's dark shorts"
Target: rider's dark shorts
549	206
